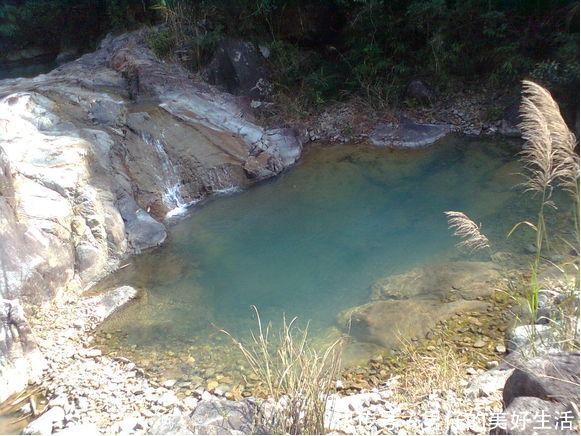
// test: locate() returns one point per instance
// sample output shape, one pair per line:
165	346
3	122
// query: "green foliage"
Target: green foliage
56	24
185	28
373	48
161	42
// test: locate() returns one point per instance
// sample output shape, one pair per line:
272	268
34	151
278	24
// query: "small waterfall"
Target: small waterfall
172	195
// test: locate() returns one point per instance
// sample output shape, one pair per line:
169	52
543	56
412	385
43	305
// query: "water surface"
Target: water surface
311	242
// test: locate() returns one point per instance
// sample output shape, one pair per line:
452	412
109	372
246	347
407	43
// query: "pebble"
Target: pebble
92	352
169	384
168	400
479	343
190	402
500	349
491	364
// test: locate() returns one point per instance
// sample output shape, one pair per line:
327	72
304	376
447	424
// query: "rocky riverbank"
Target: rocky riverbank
93	158
439	385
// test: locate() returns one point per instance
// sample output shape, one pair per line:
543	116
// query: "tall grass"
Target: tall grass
551	163
298	378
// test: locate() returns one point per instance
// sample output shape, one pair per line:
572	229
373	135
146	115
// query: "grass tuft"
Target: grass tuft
298	377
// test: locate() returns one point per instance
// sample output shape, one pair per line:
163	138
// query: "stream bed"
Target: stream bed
310	244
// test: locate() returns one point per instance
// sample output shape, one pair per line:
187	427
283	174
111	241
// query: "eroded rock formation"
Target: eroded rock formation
95	154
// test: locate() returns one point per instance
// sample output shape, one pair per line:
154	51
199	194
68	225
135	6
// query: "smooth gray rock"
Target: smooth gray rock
530	412
407	134
224	417
143	231
553	377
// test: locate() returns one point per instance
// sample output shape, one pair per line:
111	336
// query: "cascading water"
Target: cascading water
221	178
172	195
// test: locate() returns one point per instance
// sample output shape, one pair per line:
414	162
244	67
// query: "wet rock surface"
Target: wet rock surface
409	305
408	134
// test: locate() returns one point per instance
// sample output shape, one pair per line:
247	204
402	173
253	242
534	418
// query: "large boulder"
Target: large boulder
237	67
419	91
552	377
546	386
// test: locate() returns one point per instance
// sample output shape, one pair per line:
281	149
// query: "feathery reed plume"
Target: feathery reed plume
467	230
549	156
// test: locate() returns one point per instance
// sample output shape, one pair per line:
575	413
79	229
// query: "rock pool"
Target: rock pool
309	243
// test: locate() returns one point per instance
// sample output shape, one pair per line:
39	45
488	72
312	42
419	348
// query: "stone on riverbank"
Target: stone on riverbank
547	385
407	134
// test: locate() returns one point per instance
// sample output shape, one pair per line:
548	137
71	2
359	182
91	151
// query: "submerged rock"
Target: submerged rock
388	322
450	280
409	305
103	305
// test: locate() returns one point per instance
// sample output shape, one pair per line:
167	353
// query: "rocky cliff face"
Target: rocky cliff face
95	154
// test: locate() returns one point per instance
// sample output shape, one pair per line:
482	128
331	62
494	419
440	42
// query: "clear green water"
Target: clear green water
311	242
